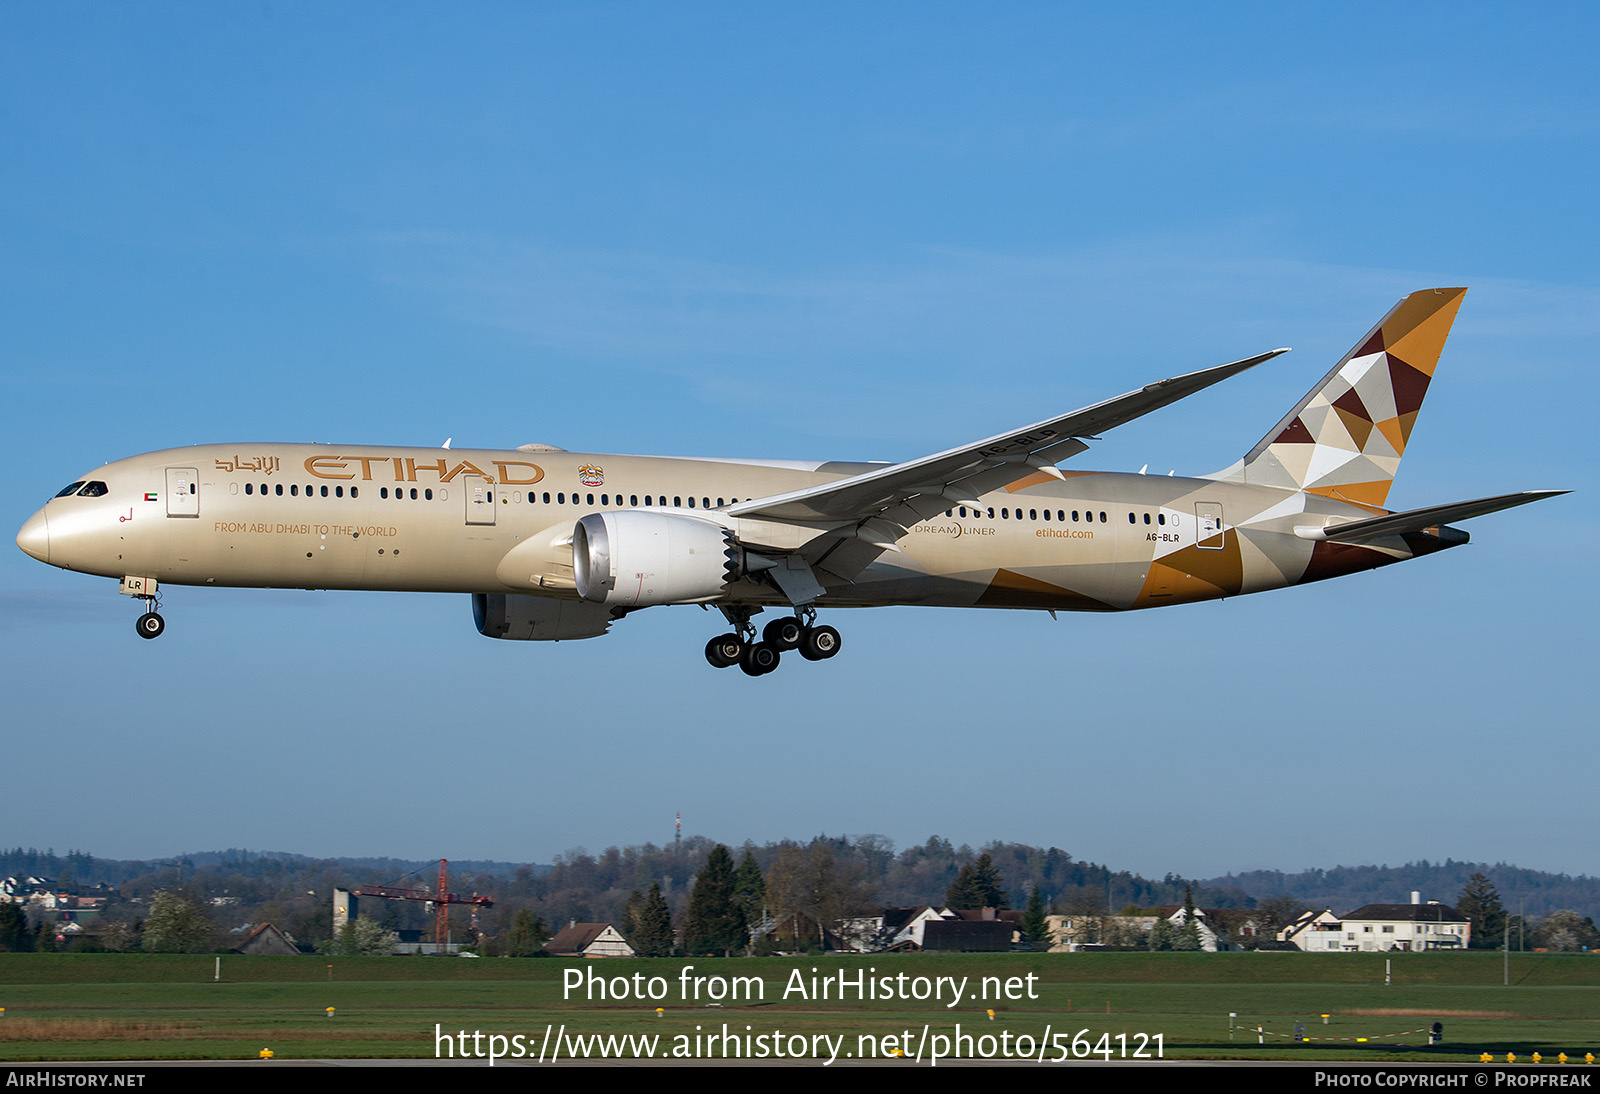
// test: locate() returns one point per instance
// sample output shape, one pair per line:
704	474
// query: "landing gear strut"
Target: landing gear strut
796	632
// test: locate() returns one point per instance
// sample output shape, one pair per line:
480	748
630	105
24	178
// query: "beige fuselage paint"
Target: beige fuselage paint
438	520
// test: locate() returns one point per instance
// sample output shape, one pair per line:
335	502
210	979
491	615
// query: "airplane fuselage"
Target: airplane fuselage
440	520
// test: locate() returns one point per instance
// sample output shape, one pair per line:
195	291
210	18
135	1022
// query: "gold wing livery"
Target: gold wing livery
558	545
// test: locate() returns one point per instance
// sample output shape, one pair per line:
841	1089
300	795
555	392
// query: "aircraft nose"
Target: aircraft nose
35	537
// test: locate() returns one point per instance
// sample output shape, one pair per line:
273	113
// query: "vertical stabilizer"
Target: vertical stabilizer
1345	438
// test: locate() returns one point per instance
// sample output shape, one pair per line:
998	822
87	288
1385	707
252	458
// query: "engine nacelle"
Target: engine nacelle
637	559
537	618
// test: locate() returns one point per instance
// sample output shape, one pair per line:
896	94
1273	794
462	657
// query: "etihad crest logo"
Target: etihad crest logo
590	475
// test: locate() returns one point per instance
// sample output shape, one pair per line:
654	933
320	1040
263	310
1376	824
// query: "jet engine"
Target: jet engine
537	618
637	559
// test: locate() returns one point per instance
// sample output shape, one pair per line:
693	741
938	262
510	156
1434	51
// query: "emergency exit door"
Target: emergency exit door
480	499
1208	514
183	492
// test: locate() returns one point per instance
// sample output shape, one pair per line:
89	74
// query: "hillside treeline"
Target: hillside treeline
239	889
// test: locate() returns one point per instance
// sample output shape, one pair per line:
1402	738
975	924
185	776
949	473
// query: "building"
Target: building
1315	932
1380	928
589	940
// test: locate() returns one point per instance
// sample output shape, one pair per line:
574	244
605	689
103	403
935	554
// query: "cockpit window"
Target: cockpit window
93	489
68	490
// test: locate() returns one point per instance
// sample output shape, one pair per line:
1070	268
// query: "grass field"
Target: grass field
141	1007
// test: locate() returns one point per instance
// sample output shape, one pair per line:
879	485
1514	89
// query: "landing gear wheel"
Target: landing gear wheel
150	625
819	643
724	651
758	659
783	633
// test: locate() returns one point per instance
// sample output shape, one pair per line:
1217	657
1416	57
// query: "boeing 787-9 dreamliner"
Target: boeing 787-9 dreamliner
556	545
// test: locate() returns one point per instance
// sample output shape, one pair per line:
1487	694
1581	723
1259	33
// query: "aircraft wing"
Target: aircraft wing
884	502
1415	520
959	474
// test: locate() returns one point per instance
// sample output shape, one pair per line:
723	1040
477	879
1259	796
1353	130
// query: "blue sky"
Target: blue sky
828	231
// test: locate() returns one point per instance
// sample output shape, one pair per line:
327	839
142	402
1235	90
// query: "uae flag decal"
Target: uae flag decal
150	495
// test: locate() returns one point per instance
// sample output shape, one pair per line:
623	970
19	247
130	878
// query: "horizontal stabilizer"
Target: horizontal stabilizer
1415	520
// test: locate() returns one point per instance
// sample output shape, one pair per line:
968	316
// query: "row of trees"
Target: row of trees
804	896
174	924
1494	927
727	904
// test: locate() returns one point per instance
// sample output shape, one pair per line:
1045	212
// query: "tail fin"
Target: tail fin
1346	437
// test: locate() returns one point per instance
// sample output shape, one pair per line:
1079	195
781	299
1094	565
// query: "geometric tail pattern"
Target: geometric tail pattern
1345	438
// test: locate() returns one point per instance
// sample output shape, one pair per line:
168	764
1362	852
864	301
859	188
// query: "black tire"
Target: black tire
783	633
724	651
150	625
820	643
759	659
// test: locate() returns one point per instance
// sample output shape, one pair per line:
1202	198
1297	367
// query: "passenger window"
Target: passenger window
427	495
249	488
383	492
278	490
413	493
294	490
324	491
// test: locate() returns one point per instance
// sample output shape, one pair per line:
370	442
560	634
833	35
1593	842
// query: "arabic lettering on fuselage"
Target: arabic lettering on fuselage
261	465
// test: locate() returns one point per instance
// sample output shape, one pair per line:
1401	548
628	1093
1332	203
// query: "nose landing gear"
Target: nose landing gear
150	624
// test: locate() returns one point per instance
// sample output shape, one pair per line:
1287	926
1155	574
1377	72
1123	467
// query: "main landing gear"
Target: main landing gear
757	658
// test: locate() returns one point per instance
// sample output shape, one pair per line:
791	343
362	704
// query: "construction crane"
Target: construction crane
441	899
